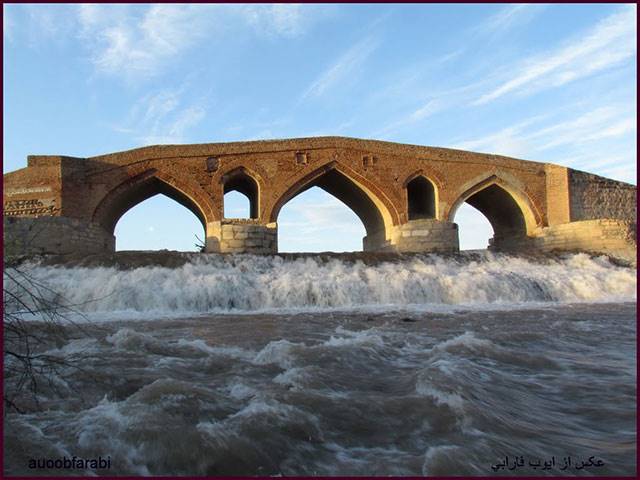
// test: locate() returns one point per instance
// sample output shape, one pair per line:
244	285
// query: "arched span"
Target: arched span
508	210
345	185
422	197
139	188
246	182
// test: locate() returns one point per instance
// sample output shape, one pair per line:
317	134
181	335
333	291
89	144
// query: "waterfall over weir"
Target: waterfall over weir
209	283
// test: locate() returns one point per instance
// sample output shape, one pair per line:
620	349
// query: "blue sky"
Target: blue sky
551	83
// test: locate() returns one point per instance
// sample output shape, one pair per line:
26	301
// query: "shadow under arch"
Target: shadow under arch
136	190
508	210
245	181
343	184
422	196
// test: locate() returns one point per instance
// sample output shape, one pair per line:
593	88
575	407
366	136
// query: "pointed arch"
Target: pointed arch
428	173
421	195
247	182
509	209
143	186
366	200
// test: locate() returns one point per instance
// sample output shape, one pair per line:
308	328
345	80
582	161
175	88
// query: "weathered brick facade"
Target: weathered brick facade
405	195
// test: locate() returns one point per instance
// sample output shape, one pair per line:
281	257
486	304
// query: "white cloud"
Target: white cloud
317	221
597	124
287	20
599	50
321	211
162	117
8	23
508	141
43	20
140	42
509	17
38	24
624	173
609	43
134	43
347	65
432	101
429	108
587	140
175	131
505	142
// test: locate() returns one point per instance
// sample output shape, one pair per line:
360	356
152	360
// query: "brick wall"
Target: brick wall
595	197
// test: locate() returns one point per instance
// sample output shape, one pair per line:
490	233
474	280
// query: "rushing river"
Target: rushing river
484	365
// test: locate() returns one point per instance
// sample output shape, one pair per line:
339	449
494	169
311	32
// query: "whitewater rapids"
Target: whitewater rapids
245	365
245	283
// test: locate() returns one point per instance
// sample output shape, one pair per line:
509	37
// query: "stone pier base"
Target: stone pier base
377	242
54	235
427	235
616	238
239	235
419	236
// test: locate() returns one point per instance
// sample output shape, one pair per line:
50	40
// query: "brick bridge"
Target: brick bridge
405	195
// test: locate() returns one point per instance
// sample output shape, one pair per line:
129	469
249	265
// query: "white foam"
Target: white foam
437	457
279	352
449	399
232	352
466	340
368	337
249	284
292	377
240	391
129	339
101	428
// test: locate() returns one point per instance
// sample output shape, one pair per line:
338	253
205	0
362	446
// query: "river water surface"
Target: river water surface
262	366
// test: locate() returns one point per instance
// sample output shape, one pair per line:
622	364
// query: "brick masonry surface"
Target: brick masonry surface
523	200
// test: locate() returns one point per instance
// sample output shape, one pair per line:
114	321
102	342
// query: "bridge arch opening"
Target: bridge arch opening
504	212
158	200
348	192
421	198
236	205
240	181
474	229
315	221
145	227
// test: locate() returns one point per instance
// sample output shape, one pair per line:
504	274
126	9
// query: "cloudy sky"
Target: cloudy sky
551	83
